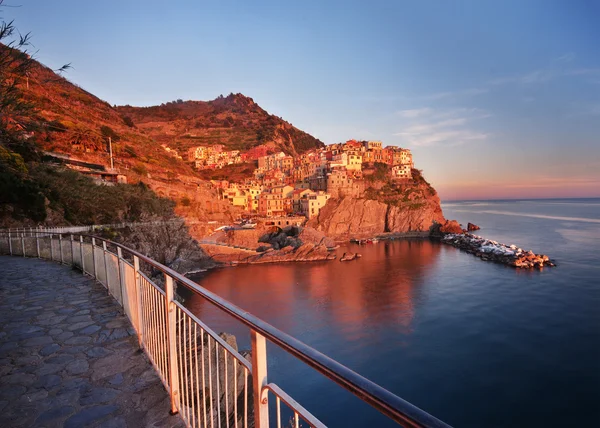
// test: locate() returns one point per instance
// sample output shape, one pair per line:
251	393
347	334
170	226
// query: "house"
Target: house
270	204
401	172
313	202
297	196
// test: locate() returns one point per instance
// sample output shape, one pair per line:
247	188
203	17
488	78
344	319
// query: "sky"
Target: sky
496	99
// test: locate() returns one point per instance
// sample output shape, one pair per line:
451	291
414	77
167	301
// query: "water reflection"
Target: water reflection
377	292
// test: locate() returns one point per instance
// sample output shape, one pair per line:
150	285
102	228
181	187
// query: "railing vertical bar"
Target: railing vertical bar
137	276
154	324
94	257
153	312
23	243
197	384
191	378
62	259
226	389
182	379
165	340
203	376
72	251
120	275
171	317
218	378
148	327
10	244
278	411
185	366
51	248
106	267
158	310
235	394
245	397
80	252
210	389
144	317
37	244
296	421
259	379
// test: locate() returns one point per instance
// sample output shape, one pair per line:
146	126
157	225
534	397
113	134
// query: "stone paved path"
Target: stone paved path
68	355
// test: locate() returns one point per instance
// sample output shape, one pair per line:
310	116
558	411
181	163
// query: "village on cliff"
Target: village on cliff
285	185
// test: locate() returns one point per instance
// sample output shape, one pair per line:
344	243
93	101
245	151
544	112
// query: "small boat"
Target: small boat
249	226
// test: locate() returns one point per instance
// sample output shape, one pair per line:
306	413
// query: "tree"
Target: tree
16	65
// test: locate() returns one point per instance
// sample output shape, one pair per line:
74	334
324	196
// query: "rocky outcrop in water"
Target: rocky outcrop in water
489	250
472	227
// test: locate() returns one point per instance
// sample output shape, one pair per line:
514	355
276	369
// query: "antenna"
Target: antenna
112	165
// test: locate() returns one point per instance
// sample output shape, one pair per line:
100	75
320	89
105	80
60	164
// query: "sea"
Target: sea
474	343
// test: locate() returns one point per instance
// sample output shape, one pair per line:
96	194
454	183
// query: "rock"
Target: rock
488	250
471	227
451	226
348	217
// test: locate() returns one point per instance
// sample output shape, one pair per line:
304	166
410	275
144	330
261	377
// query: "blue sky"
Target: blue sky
497	99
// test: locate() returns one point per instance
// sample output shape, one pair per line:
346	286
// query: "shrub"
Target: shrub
128	121
140	169
107	131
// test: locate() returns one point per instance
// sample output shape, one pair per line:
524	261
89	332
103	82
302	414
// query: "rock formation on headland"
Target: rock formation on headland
385	207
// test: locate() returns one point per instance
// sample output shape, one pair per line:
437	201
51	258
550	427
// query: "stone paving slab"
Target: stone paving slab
68	355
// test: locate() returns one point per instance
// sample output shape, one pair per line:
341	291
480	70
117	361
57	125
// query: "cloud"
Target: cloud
544	76
456	94
414	112
568	57
537	76
448	127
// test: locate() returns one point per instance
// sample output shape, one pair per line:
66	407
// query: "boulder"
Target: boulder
451	226
471	227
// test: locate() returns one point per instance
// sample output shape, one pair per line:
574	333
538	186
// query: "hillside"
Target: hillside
235	121
76	122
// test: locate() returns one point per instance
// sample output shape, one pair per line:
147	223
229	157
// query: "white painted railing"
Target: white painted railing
36	231
209	382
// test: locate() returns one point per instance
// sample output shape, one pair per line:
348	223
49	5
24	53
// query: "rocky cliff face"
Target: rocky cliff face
386	206
347	218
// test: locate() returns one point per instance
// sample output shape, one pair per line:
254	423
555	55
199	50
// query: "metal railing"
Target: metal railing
32	231
210	383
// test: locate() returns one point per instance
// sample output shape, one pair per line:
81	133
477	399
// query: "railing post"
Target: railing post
138	296
121	277
105	267
259	380
62	260
23	243
37	244
171	318
9	244
81	252
51	248
94	256
72	251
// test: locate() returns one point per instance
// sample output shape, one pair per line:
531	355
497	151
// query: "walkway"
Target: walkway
68	356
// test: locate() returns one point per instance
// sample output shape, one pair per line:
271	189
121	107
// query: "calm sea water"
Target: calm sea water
473	343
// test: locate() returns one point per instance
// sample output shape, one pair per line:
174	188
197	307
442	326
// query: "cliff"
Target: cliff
385	207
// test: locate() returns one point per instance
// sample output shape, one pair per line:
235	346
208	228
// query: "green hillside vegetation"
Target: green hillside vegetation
410	194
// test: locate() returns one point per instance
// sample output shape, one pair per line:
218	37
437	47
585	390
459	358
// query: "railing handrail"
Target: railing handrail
380	398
